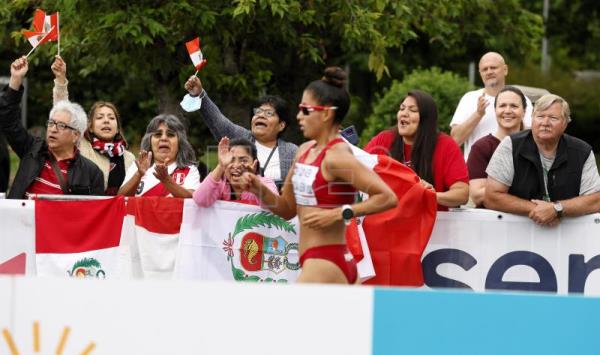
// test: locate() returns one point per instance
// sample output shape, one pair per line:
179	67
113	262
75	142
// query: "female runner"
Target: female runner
322	185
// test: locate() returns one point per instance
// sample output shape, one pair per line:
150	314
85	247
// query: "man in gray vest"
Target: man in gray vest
544	173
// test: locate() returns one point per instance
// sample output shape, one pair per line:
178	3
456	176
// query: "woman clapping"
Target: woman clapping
166	165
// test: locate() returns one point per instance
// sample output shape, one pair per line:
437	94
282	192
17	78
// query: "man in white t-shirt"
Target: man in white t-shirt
475	116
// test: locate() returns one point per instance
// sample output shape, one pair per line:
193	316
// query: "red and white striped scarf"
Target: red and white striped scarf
110	149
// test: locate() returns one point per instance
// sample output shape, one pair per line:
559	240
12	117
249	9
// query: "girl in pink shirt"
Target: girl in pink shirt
223	183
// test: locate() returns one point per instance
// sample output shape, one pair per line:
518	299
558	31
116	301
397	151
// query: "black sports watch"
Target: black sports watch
347	213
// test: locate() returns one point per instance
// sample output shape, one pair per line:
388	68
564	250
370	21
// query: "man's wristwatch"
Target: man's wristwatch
347	213
558	208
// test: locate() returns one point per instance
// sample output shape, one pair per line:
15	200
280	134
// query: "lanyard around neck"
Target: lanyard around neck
262	169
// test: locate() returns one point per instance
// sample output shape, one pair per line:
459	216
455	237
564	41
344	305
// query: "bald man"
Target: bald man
475	116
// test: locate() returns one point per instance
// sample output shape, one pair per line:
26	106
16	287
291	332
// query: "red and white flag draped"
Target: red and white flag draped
80	238
397	238
154	238
99	238
151	233
193	48
236	242
45	28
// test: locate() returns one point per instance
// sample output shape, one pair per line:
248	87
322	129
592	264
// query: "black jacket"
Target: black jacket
84	177
564	177
4	164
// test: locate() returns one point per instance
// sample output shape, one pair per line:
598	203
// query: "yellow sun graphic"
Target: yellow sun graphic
36	341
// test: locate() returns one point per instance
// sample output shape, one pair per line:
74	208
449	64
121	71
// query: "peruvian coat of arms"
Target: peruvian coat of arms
253	255
87	268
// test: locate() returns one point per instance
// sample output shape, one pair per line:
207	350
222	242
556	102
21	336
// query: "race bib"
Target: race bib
303	179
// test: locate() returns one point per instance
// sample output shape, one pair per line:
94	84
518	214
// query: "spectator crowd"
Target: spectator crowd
515	157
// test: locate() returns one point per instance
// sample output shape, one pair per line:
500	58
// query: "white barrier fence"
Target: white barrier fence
172	317
473	249
483	250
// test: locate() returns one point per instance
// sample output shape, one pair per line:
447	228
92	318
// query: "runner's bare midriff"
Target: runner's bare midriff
310	237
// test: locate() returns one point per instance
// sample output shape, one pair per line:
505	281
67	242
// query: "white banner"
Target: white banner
484	250
233	241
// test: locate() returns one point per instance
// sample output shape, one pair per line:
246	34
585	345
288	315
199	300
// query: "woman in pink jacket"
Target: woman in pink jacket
223	183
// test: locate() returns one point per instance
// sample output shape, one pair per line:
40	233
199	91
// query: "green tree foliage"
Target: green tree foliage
133	53
446	88
580	94
573	32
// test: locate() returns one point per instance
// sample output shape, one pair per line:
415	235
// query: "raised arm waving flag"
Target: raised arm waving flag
193	48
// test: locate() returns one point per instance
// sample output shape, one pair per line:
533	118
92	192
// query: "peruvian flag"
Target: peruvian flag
45	28
397	238
80	238
193	48
151	233
232	241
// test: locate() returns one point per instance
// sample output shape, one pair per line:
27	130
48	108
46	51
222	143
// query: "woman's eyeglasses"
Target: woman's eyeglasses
269	112
159	133
61	126
307	109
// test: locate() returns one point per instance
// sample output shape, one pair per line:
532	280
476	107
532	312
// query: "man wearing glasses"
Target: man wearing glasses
53	165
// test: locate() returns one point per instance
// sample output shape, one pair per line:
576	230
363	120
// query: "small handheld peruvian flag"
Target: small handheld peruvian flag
193	48
45	28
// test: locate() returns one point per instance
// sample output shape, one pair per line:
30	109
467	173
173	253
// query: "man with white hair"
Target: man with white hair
544	173
53	165
475	116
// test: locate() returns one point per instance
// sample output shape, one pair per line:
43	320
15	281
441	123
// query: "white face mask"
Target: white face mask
190	103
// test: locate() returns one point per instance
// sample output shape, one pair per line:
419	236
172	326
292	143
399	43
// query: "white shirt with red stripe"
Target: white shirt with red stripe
188	177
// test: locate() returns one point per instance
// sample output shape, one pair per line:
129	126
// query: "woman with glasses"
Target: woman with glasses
103	141
322	185
225	182
53	165
166	165
270	118
435	157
